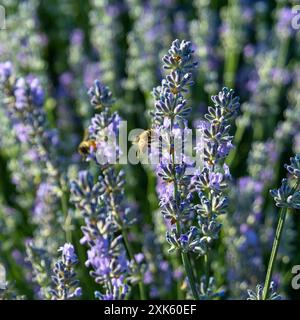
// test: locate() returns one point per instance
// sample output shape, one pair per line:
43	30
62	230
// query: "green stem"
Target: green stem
185	258
283	52
275	247
207	270
281	63
237	140
189	272
176	262
231	64
64	208
132	257
128	248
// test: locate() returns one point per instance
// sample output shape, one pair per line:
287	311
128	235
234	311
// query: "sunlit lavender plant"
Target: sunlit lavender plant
27	42
286	198
6	288
24	106
64	276
104	208
40	261
212	182
106	254
169	115
258	294
175	199
24	99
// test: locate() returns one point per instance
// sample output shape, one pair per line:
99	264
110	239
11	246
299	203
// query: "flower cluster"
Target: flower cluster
6	288
27	42
213	180
258	294
64	278
41	268
24	101
104	126
171	108
294	167
117	291
103	204
169	115
106	254
208	290
176	198
286	196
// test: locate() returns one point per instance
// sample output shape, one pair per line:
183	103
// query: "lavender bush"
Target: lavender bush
138	165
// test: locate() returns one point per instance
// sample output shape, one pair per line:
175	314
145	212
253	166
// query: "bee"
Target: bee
173	221
85	146
143	141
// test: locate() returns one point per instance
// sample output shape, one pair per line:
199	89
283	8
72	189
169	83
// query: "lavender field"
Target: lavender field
149	150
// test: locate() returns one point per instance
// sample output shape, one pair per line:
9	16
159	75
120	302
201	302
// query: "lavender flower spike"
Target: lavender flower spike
64	278
258	294
106	254
170	117
286	197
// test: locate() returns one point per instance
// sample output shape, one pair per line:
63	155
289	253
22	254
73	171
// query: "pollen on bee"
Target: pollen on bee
176	58
173	220
175	90
94	145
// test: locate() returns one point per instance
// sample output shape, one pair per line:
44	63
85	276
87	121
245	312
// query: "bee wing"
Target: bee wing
153	135
143	145
135	141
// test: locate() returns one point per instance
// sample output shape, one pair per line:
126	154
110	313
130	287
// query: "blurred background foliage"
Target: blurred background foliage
249	46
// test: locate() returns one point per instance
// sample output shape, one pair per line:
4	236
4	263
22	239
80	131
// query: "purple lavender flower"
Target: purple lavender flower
170	114
294	167
258	294
280	76
213	179
22	132
249	51
77	37
68	253
36	91
64	278
284	23
6	71
106	254
21	94
118	291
